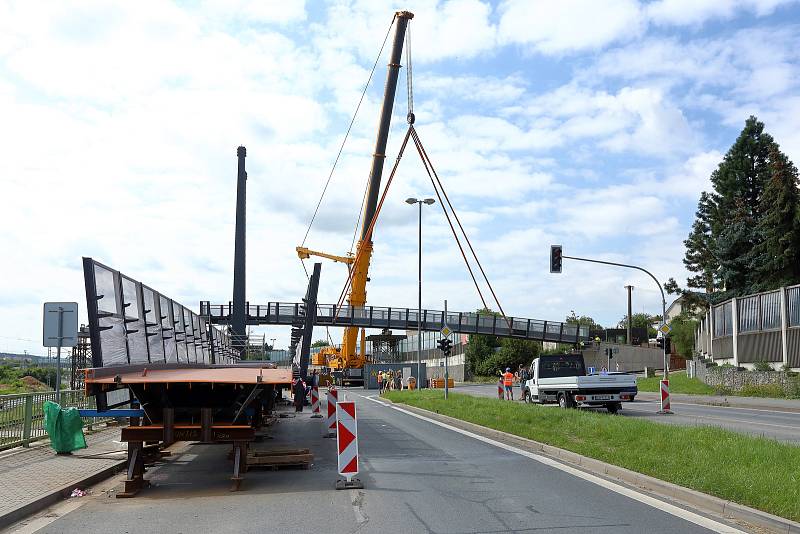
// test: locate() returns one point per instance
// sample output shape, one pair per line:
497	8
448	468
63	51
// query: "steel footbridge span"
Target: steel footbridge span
288	313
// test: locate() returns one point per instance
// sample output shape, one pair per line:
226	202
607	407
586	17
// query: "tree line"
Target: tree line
746	234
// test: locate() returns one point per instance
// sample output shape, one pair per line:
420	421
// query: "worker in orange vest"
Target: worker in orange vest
508	382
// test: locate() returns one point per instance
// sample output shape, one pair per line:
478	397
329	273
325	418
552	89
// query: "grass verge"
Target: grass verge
753	471
678	383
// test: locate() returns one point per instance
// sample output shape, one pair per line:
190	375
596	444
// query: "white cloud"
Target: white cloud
696	12
569	25
260	11
457	29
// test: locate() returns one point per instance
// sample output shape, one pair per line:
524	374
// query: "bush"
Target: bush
764	390
762	366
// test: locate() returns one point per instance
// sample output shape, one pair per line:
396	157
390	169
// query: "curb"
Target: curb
686	496
53	497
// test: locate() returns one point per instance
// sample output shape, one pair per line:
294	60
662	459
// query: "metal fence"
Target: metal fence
753	328
22	415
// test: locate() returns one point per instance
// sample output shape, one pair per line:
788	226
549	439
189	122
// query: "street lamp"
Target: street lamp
412	201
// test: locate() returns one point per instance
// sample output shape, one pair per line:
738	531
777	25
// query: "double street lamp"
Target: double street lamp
413	201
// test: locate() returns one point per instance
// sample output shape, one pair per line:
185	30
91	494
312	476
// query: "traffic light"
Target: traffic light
444	345
660	342
555	258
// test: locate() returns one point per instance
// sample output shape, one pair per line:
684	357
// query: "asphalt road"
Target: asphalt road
418	476
781	425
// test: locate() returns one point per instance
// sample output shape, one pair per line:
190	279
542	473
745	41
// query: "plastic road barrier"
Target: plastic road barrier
333	397
665	404
347	445
315	402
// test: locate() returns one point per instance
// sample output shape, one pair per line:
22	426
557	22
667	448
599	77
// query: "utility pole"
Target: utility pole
630	317
446	354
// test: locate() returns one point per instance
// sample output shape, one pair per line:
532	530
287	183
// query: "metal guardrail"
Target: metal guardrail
284	313
22	415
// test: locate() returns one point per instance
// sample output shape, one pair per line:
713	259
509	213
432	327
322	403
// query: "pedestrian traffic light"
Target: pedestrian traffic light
555	258
445	345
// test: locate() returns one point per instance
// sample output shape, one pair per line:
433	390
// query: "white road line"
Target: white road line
627	492
722	407
723	419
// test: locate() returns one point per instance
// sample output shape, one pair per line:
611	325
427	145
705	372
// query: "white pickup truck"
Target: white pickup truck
562	378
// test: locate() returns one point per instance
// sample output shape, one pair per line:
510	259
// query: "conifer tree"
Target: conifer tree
700	257
776	258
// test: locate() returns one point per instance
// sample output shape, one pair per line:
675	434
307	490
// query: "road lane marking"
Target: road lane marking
783	412
671	509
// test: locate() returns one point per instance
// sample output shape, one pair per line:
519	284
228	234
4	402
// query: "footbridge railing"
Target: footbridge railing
285	313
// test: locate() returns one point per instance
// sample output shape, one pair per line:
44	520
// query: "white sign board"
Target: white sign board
665	329
60	324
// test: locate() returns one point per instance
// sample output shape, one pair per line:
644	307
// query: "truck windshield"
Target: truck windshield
564	365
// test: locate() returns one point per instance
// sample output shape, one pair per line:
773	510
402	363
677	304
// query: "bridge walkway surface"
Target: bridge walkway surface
288	313
35	477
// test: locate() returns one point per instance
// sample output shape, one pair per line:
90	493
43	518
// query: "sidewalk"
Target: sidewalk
33	478
760	403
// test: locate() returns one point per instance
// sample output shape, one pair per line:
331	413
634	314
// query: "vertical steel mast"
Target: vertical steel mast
239	315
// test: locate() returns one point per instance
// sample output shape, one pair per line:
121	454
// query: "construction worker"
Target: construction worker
299	389
521	375
508	382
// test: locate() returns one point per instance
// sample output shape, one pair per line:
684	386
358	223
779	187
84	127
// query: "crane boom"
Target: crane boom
346	357
358	290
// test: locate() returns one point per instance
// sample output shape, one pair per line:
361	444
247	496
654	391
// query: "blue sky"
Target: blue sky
591	124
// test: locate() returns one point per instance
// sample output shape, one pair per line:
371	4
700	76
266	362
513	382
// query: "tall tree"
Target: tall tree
745	234
700	256
776	258
583	320
739	180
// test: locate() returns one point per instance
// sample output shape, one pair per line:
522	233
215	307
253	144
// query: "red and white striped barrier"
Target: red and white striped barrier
347	445
333	398
315	402
665	405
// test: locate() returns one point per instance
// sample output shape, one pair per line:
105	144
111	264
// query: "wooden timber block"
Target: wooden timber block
277	461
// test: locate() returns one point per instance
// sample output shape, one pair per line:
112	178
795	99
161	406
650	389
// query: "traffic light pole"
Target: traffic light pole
446	355
663	298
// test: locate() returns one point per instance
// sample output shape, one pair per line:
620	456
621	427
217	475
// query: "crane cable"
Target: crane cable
434	175
346	135
368	234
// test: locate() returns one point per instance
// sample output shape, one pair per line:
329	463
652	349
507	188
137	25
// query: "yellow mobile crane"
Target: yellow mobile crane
346	360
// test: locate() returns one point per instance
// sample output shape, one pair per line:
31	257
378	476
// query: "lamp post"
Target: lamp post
413	201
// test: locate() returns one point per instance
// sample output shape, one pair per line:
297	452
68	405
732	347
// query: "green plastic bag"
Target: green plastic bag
64	426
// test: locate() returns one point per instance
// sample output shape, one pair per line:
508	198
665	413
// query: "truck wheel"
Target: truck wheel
613	408
562	401
527	396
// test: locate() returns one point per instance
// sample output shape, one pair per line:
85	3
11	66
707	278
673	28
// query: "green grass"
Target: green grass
754	471
678	383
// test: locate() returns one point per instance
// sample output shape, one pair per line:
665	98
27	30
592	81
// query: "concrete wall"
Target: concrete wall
628	357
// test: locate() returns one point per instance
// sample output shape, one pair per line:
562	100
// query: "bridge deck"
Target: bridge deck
283	313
